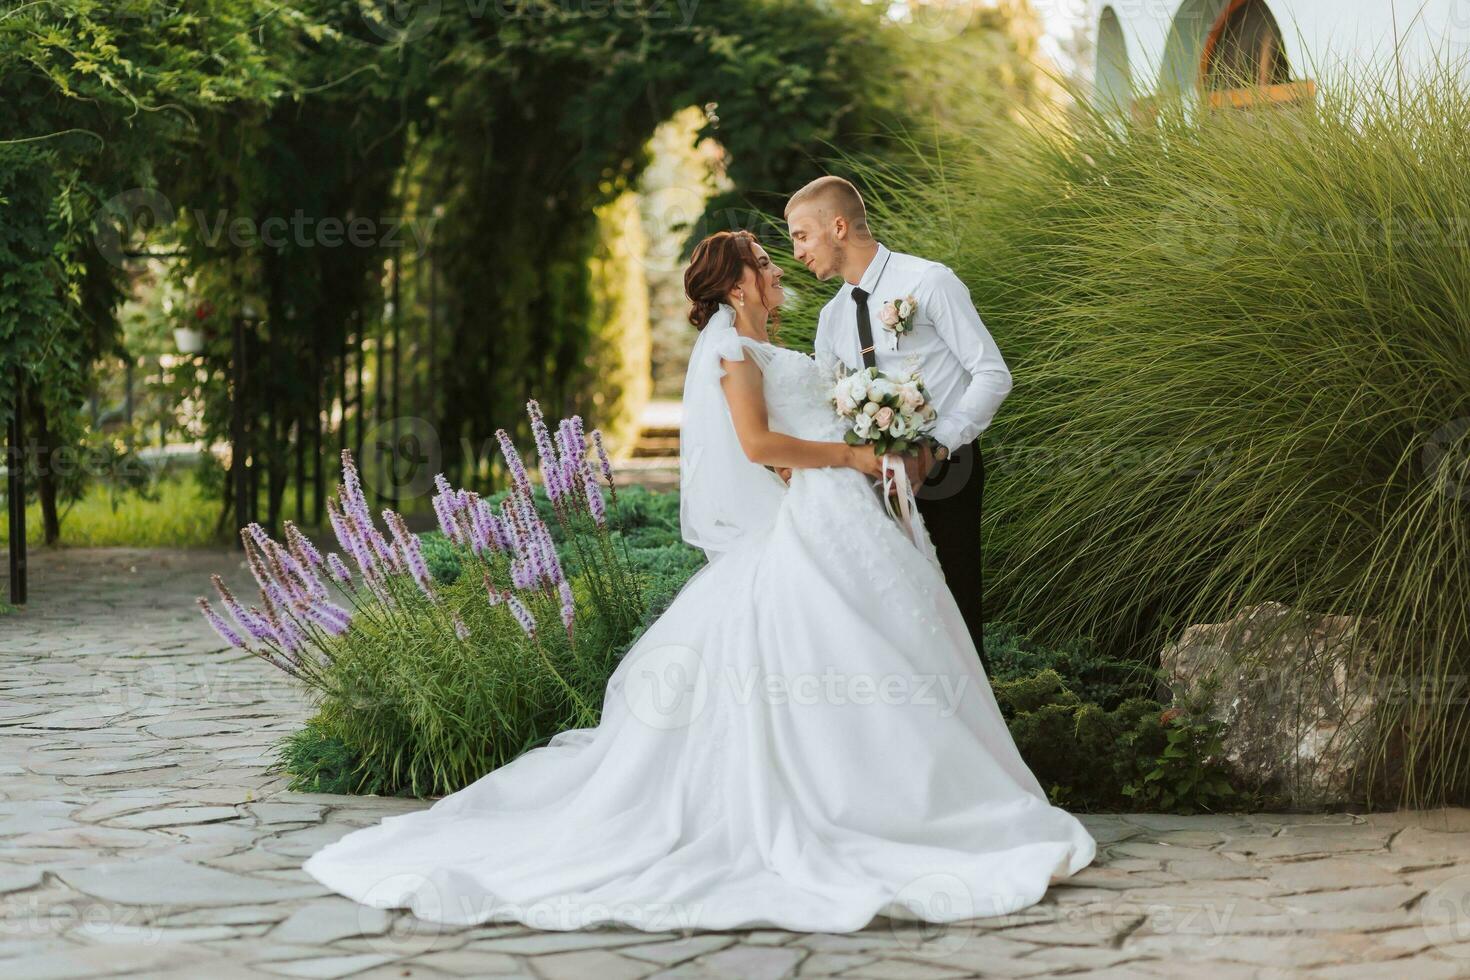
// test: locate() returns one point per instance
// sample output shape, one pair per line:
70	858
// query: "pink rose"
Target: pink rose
888	315
884	416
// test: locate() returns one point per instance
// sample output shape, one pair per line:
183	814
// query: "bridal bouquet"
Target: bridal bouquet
889	413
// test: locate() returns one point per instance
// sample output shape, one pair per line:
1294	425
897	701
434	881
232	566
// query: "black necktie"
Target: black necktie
865	327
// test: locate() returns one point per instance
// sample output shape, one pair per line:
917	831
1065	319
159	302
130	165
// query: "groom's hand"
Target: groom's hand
923	464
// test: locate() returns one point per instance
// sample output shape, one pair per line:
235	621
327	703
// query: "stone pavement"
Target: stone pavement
141	833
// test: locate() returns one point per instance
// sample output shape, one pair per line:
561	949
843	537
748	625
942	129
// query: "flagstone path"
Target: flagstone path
143	833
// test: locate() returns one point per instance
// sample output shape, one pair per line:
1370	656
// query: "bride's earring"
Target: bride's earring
740	299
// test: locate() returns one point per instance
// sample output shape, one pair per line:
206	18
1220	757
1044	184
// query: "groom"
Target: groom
966	377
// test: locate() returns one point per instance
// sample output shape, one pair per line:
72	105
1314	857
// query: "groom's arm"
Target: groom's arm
960	327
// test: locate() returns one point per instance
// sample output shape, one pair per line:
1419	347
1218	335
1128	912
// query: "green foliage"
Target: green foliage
89	91
1239	345
174	512
1134	756
1188	776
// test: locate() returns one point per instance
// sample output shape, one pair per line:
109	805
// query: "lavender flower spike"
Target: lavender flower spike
523	616
607	471
568	606
220	626
337	568
413	555
595	504
514	462
460	629
301	546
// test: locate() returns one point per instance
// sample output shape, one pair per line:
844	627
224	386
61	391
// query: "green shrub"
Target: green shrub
1136	756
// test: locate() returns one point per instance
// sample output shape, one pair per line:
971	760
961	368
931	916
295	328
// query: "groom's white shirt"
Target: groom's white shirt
966	377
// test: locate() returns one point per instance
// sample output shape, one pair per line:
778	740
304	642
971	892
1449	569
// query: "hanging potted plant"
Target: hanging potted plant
189	338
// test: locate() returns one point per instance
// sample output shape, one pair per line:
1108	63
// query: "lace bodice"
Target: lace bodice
796	393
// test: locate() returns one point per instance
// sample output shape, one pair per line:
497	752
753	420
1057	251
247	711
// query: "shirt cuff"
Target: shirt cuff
946	435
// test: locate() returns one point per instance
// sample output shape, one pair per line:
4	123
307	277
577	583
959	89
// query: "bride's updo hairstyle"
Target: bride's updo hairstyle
715	268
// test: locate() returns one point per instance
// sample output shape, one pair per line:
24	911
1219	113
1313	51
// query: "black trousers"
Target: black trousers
950	502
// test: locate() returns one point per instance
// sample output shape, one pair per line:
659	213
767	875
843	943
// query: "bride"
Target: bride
805	739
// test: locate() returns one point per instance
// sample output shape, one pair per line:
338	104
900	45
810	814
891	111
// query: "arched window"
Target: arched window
1244	49
1113	88
1243	61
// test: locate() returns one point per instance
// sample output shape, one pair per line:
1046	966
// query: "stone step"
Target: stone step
646	446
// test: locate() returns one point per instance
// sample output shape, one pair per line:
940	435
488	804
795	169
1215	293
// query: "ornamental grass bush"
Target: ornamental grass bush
1240	344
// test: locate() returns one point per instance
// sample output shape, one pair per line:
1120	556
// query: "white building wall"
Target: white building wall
1321	37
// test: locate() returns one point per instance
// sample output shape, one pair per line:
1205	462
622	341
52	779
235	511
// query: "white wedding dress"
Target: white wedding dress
805	739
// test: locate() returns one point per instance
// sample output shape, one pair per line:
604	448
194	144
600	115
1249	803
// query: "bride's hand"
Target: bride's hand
864	460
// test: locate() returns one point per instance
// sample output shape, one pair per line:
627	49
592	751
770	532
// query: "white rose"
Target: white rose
881	388
870	409
844	402
863	424
899	427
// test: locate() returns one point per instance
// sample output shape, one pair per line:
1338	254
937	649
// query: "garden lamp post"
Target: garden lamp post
15	474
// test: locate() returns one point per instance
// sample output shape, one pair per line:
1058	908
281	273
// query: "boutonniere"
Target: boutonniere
897	317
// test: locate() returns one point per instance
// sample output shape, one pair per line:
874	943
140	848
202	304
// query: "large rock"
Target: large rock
1297	695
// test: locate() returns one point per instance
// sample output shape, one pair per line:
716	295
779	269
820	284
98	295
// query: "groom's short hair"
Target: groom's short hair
833	195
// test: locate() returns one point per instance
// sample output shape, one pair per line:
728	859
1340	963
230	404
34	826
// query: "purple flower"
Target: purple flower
514	462
523	615
596	506
443	509
480	518
260	628
302	547
329	616
256	627
547	565
411	552
499	538
338	569
496	596
347	537
568	606
522	575
354	503
287	633
220	626
550	465
460	629
607	471
464	514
